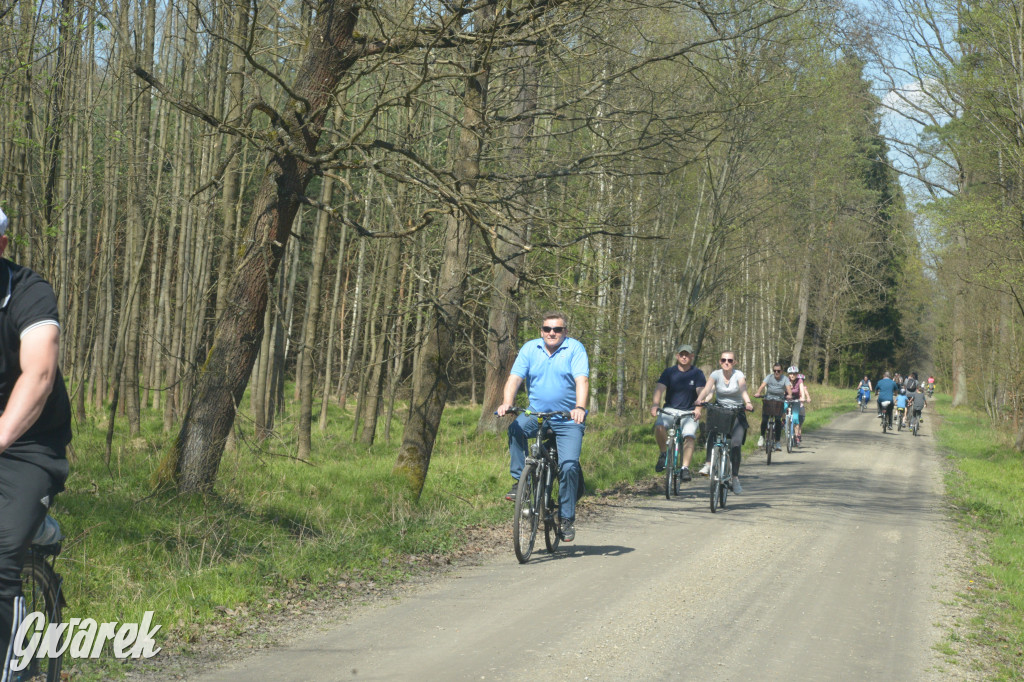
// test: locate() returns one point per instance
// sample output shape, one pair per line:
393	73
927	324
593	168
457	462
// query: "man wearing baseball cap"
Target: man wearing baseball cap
35	425
679	384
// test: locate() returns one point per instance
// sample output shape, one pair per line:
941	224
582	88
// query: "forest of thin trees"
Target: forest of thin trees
248	205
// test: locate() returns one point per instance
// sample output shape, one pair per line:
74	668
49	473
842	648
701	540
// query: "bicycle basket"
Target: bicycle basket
772	408
720	419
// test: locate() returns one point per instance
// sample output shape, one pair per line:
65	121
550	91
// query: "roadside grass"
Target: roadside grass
281	534
986	484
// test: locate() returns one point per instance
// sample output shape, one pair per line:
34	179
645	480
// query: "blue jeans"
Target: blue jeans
569	440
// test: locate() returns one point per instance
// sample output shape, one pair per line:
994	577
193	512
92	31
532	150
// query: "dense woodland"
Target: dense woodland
370	203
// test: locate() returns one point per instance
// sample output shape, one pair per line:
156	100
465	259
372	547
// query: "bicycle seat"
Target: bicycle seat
49	536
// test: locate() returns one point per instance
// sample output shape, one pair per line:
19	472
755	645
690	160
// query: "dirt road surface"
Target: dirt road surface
836	563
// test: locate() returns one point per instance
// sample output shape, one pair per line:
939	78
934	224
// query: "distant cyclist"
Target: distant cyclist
679	384
864	390
886	389
919	402
774	387
799	395
901	406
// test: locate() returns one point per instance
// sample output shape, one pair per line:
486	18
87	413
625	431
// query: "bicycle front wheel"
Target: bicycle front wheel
670	469
42	589
524	523
716	477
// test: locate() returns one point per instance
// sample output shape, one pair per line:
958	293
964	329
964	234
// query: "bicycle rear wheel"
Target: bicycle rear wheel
716	478
524	522
670	469
42	589
552	518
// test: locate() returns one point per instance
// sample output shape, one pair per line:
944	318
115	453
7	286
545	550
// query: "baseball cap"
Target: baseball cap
3	222
685	348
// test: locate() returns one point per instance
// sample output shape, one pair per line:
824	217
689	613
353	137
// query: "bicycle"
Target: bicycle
42	587
791	416
536	493
900	414
886	415
863	395
673	461
720	422
915	422
773	408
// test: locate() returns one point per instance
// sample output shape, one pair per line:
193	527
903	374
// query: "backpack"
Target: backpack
910	384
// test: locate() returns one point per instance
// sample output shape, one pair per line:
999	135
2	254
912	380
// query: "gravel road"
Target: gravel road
837	562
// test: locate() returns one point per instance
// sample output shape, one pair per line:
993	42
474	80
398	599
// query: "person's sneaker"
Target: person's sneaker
778	447
685	475
511	494
705	470
760	442
736	487
568	530
660	466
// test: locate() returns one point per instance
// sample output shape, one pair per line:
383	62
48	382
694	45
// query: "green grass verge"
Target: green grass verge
986	483
280	532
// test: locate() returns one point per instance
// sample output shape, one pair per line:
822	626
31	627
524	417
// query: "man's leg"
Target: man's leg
569	437
24	496
520	431
661	438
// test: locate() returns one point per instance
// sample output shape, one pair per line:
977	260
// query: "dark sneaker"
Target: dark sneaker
685	475
511	494
660	466
568	530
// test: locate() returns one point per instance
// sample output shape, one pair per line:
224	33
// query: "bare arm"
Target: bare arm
659	391
763	386
746	398
579	413
508	394
40	348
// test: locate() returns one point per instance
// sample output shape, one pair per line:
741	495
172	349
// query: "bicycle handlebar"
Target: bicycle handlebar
742	408
539	415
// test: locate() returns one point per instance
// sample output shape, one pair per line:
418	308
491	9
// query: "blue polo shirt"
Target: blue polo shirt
885	388
551	379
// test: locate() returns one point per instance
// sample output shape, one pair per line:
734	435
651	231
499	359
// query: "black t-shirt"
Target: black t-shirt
681	388
26	301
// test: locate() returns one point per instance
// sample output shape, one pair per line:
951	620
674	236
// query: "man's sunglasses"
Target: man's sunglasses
730	360
548	330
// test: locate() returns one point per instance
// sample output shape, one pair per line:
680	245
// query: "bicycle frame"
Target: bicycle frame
720	470
535	498
673	458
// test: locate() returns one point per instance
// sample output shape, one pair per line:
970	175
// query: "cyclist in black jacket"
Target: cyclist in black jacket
35	425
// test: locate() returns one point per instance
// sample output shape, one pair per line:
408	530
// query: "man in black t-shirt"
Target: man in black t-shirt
35	424
679	384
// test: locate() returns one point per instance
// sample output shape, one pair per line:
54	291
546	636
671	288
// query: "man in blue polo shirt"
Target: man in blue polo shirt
557	375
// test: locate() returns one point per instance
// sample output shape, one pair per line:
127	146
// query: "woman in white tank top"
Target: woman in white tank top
730	389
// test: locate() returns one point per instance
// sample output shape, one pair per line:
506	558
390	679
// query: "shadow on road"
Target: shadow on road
566	551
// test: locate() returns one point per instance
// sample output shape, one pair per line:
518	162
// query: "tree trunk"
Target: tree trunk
432	373
196	456
501	344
